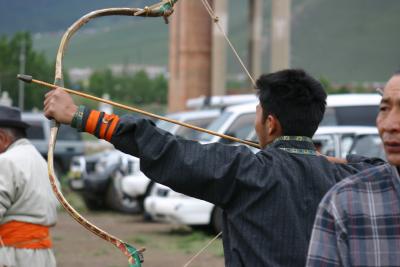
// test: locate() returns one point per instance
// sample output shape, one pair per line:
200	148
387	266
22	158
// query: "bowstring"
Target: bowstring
202	250
215	19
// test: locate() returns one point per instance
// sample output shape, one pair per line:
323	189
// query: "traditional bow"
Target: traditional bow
164	9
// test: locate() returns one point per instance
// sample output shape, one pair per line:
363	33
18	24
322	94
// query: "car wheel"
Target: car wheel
216	220
118	201
93	204
146	216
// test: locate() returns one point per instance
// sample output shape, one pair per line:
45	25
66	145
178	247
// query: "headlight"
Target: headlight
100	166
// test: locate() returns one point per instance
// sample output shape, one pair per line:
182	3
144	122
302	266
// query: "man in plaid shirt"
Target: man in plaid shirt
358	221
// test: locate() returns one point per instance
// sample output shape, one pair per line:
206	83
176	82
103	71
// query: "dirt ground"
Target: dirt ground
166	245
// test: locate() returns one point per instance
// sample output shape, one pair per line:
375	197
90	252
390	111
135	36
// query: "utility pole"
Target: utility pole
280	37
218	69
190	54
21	84
255	48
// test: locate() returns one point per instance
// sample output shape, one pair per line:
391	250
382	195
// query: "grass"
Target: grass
72	197
179	239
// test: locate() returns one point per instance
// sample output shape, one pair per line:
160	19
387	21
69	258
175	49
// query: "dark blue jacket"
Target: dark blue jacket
269	199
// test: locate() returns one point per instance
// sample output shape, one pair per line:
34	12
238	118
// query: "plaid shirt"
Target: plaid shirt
358	222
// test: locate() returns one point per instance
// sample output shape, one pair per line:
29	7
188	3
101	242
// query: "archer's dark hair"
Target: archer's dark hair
295	98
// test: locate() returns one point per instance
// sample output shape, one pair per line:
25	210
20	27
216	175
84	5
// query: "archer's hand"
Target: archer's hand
60	106
336	160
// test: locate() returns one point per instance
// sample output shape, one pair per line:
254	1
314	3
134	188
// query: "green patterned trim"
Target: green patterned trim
299	151
78	118
294	138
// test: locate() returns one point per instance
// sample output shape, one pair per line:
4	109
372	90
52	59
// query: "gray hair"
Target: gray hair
15	133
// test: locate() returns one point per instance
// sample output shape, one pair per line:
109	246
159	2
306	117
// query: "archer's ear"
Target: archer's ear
273	126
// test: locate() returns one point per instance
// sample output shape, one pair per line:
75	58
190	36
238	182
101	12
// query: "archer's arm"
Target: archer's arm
213	172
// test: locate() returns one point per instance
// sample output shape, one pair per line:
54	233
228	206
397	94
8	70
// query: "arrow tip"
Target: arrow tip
24	78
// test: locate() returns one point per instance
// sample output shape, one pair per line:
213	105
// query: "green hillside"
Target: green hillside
348	40
341	40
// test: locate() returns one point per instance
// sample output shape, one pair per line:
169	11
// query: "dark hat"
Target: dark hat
11	117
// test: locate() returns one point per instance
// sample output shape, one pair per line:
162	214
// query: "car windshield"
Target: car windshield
186	132
350	115
241	127
215	126
191	134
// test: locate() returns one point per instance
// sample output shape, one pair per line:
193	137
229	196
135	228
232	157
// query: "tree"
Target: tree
36	65
138	89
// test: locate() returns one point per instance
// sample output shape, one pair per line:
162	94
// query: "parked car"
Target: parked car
336	141
69	141
369	145
97	178
236	121
166	205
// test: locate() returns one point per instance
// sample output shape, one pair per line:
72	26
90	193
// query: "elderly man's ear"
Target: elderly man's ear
5	140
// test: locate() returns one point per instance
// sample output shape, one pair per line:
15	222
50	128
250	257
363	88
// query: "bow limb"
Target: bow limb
135	256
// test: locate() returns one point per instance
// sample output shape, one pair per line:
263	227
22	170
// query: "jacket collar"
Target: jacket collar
294	144
19	142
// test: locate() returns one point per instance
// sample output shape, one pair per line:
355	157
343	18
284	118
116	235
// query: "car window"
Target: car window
191	134
357	115
325	144
35	131
241	127
346	141
368	146
350	115
329	117
215	126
